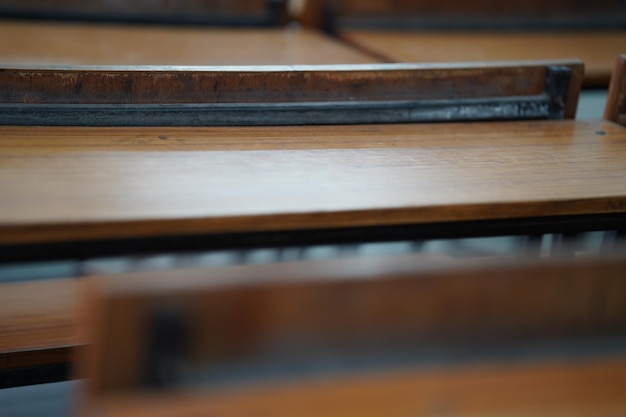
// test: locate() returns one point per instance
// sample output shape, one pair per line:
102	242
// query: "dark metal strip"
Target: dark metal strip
264	114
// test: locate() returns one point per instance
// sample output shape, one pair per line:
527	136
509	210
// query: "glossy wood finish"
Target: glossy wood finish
38	43
597	49
616	101
39	322
551	389
74	184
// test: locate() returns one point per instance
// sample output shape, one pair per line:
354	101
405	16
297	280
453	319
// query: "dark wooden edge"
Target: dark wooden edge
392	93
616	101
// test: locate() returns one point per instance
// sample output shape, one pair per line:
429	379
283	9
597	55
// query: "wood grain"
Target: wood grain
38	43
597	49
39	322
73	184
261	84
551	389
616	101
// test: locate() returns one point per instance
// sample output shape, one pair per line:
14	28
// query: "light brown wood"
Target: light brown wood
616	101
72	184
596	49
29	43
39	322
551	389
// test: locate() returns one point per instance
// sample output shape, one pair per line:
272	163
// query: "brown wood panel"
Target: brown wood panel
597	49
382	82
69	184
616	101
347	306
38	43
39	322
551	389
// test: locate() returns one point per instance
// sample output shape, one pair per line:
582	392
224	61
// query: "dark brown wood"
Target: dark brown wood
380	82
81	184
616	101
297	312
226	12
459	13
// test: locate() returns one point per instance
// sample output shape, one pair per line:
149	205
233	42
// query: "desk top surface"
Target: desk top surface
598	50
62	184
27	43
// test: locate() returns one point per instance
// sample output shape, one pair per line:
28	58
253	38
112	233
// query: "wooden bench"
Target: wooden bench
482	32
79	192
616	102
211	12
342	336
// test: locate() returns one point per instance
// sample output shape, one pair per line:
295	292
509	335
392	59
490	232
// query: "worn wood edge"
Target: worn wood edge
616	99
126	85
76	231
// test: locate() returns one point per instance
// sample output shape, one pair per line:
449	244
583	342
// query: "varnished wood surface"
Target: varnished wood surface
596	49
551	389
69	184
39	322
616	102
39	43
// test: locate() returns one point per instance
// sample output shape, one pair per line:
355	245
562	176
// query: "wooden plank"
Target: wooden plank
616	101
295	313
39	322
552	389
349	94
597	49
38	43
217	12
81	184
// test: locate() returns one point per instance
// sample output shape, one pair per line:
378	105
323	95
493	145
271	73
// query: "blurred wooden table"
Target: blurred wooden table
596	49
32	43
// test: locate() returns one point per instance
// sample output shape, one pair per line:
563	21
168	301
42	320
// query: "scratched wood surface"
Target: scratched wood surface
597	49
553	389
69	184
284	84
616	102
45	43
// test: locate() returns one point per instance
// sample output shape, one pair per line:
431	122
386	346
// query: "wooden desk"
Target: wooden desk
29	43
596	49
63	185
